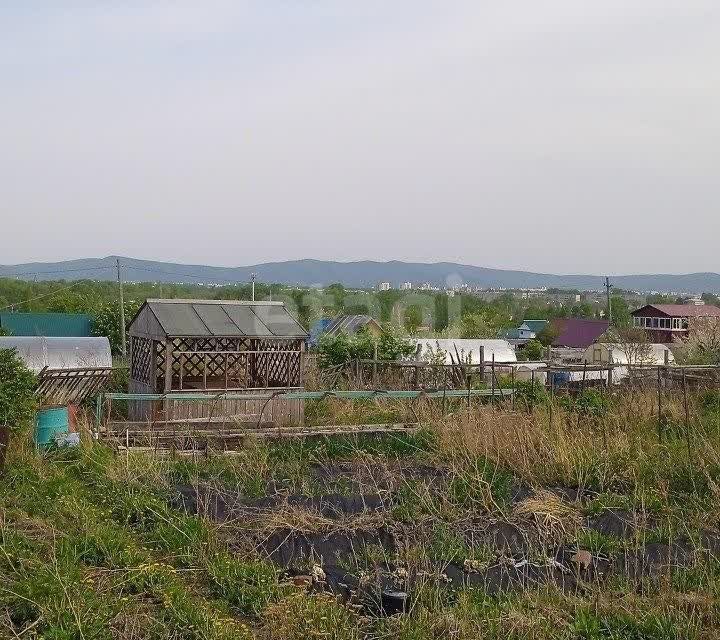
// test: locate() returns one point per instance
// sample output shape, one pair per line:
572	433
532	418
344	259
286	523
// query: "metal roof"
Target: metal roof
59	353
224	318
683	310
47	324
578	333
534	325
349	324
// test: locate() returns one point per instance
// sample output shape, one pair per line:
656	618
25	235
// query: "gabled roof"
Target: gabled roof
682	310
578	333
222	318
350	324
535	326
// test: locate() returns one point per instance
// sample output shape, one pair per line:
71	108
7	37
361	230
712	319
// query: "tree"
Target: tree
634	344
620	312
478	325
413	318
548	335
106	322
703	341
533	350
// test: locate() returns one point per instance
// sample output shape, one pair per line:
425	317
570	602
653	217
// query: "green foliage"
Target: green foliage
17	392
106	322
413	318
620	312
528	394
548	335
592	403
300	616
481	483
334	350
533	350
624	626
710	401
249	586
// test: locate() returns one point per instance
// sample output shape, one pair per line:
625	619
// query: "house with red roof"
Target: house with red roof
577	333
665	323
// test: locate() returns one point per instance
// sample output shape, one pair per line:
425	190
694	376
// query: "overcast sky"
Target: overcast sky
550	135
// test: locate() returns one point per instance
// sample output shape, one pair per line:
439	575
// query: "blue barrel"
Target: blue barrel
49	423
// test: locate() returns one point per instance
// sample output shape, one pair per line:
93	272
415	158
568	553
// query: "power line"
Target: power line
40	273
44	295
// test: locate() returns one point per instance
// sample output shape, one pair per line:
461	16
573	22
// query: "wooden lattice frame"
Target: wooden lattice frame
141	359
237	362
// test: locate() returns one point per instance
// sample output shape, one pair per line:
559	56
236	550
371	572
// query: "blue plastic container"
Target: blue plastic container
50	423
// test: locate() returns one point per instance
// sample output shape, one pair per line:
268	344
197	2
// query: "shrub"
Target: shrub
334	350
17	391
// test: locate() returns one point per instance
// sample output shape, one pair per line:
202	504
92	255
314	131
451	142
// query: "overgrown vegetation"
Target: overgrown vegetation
561	519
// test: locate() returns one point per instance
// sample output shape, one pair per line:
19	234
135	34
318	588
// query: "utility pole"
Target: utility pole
252	279
123	348
608	286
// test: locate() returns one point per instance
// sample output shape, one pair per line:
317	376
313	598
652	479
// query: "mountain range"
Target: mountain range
364	273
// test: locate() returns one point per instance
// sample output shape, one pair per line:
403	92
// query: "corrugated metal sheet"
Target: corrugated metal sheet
350	324
578	333
468	349
278	320
179	319
248	323
216	319
225	318
76	325
59	353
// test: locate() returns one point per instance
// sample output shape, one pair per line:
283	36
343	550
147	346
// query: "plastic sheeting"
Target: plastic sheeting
468	349
60	353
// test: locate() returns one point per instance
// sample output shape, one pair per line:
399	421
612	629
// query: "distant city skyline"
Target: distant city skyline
559	137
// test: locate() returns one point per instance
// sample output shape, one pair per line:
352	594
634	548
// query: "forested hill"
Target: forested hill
354	274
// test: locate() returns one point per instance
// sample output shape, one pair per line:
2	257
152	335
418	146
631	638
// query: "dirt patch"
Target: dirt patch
290	548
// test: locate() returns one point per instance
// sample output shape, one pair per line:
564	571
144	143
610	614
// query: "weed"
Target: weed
248	586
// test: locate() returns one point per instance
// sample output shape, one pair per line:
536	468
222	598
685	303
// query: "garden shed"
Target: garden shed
196	346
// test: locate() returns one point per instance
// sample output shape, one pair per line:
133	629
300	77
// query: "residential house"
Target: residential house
577	333
666	323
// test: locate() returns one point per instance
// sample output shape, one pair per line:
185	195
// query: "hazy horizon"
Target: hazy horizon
564	137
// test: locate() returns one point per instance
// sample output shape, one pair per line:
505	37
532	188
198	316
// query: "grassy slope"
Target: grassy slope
90	548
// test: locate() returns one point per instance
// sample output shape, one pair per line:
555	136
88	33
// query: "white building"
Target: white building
406	286
384	286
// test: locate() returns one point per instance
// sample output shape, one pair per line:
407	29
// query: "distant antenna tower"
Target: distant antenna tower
608	286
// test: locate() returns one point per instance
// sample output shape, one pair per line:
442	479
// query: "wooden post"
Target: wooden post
492	372
512	383
444	390
467	381
610	370
659	395
531	404
687	414
168	374
482	364
375	369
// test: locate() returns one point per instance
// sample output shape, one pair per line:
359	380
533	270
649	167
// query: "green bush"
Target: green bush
17	392
334	350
